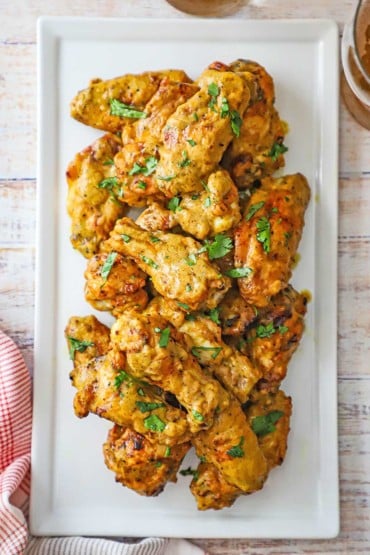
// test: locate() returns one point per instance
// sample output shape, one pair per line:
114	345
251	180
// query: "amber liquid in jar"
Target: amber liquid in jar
208	8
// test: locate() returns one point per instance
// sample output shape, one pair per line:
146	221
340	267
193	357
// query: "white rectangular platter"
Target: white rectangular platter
72	491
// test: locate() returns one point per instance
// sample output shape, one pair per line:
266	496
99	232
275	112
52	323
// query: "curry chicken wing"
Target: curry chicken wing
177	268
92	202
267	239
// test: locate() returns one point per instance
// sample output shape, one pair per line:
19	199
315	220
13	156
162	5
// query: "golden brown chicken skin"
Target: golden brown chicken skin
92	201
197	133
259	149
177	269
211	490
212	211
105	388
267	239
273	339
155	351
139	464
235	314
93	105
114	283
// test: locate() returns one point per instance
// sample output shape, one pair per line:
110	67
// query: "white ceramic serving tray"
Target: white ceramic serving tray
72	491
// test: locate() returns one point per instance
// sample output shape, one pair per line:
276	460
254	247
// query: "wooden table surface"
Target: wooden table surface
17	240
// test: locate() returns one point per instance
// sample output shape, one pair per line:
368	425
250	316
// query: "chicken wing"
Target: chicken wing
177	269
269	416
235	314
272	340
106	389
259	150
212	211
198	132
155	351
267	239
114	283
100	105
92	201
139	464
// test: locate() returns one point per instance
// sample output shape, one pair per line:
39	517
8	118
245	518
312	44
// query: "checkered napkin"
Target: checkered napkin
15	448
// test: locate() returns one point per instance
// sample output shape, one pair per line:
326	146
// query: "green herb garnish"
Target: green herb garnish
184	306
167	452
77	345
164	337
118	108
126	238
239	272
166	178
216	351
277	149
207	202
237	450
190	472
282	329
185	160
264	233
191	142
147	169
214	315
262	425
141	185
213	91
191	260
154	239
174	204
147	407
225	109
197	415
236	122
253	209
220	246
265	331
154	423
107	266
108	162
150	262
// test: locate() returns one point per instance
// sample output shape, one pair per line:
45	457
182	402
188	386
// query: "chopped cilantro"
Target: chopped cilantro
216	351
197	415
141	392
147	169
236	122
265	424
213	91
191	260
122	377
126	238
147	407
195	116
154	423
164	337
185	160
265	331
150	262
154	239
166	178
191	142
167	452
276	150
174	204
141	185
184	306
220	246
207	202
108	162
237	450
214	315
225	109
253	209
190	472
118	108
107	266
264	233
77	345
283	329
239	272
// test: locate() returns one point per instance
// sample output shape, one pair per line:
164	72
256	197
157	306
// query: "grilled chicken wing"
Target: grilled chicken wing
267	239
268	414
214	210
177	269
271	342
106	389
258	150
139	464
198	132
156	351
92	202
93	106
235	314
115	283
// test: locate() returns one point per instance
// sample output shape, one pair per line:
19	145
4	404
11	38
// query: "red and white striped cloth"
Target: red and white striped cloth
15	454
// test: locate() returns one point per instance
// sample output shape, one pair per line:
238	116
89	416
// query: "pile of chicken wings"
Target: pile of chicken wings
197	279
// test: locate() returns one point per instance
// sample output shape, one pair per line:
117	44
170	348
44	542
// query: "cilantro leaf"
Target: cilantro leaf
264	233
214	315
77	345
236	122
253	209
147	407
220	246
213	91
198	416
265	331
154	423
118	108
225	109
147	169
166	178
185	160
174	204
191	260
164	337
216	351
184	306
126	238
107	266
239	272
191	142
190	472
150	262
237	451
276	150
265	424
